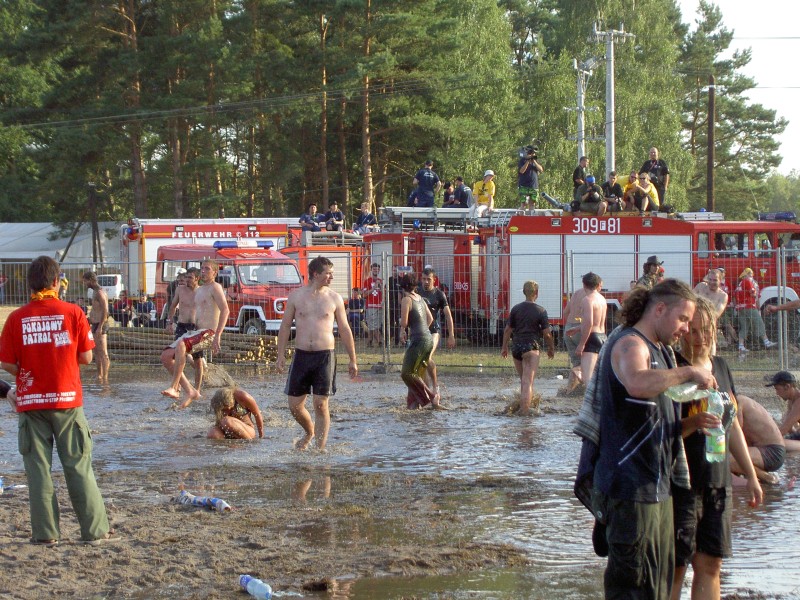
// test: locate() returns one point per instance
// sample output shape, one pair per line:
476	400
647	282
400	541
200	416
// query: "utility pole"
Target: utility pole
610	37
710	200
584	70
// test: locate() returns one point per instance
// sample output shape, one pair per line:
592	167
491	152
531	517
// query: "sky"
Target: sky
759	26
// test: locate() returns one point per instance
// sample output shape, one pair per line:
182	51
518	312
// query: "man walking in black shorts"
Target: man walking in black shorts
314	306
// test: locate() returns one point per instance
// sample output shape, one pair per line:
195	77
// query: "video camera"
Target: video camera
530	151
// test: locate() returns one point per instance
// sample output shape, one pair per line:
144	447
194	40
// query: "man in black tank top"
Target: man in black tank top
640	439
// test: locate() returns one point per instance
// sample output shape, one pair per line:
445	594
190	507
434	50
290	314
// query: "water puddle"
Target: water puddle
510	479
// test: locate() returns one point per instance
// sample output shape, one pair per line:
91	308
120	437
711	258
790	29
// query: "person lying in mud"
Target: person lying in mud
236	415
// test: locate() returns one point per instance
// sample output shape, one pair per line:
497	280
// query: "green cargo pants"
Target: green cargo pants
38	429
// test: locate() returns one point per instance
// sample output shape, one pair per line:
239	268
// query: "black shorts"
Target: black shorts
101	328
595	342
180	329
312	371
773	456
518	349
702	523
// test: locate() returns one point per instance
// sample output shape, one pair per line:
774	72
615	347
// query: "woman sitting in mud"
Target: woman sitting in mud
234	412
416	318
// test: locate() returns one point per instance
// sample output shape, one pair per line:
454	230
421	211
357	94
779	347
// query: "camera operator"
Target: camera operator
528	170
591	197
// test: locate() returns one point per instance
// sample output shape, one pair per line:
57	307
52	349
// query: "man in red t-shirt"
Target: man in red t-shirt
746	296
42	344
373	305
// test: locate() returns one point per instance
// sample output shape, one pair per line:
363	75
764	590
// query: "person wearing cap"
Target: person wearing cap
528	170
650	276
645	194
309	221
484	195
591	197
785	384
746	297
579	176
428	185
334	218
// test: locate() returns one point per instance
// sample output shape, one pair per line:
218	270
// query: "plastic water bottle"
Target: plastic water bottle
255	587
686	392
715	438
1	486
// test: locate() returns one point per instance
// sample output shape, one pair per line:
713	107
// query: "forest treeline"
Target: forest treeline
205	108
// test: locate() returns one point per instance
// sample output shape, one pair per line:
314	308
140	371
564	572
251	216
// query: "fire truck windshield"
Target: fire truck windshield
268	274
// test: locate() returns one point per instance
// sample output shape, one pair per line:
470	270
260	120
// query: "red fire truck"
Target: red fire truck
344	250
141	239
257	280
485	267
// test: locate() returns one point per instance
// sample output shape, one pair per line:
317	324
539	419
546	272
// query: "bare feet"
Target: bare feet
190	398
304	443
171	393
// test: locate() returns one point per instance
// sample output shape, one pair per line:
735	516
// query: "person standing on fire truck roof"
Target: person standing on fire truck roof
428	185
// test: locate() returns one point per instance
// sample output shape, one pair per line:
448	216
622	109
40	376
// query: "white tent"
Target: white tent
21	242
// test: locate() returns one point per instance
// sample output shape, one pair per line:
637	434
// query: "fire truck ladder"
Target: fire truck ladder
403	218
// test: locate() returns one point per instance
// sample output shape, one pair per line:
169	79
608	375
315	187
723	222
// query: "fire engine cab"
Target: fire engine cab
257	280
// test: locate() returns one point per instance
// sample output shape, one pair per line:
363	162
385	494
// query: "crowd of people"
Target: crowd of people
659	504
645	190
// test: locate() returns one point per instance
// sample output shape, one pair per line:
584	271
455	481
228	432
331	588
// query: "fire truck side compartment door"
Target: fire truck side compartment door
537	257
613	257
674	250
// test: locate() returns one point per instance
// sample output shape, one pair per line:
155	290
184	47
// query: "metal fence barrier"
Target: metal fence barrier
481	288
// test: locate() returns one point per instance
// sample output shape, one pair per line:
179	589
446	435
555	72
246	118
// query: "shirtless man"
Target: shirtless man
183	300
572	335
764	440
593	324
211	312
314	308
98	318
786	388
710	289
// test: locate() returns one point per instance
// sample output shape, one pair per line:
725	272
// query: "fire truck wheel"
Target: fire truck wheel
254	327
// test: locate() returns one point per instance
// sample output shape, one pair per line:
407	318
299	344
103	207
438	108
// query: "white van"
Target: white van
112	285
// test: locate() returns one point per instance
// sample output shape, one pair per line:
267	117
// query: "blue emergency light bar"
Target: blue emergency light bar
243	243
777	216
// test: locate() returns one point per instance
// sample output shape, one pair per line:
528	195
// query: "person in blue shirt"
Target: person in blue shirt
366	221
309	221
334	218
428	185
462	194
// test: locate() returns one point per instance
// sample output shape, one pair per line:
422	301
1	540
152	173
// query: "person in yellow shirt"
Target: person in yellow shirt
484	196
63	286
628	202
